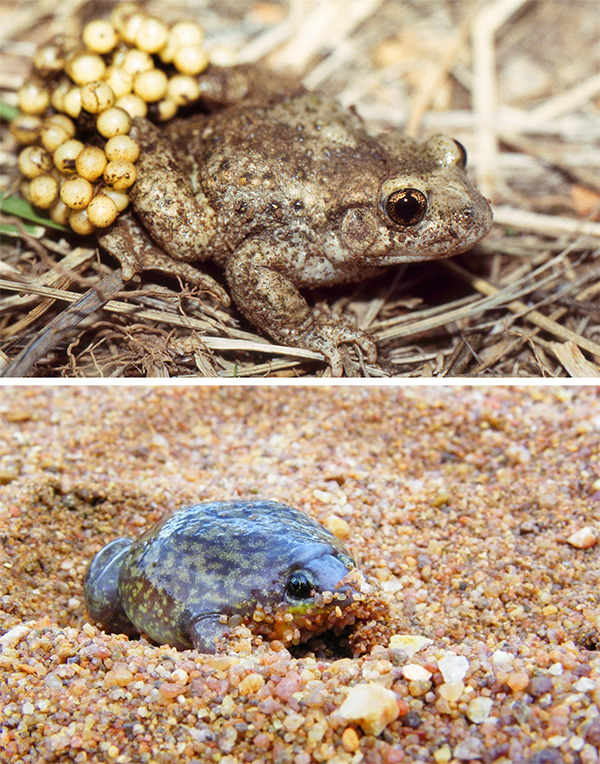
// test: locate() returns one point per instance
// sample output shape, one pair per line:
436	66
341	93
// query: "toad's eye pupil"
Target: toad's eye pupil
407	206
299	586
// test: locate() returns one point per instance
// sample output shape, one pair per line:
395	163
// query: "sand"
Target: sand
467	504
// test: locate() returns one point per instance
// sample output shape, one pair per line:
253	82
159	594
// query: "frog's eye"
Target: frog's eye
462	160
299	586
406	206
347	561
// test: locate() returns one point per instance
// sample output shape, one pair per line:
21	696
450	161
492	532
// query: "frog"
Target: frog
204	569
284	189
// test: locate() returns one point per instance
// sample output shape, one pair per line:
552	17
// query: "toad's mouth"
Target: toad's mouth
435	246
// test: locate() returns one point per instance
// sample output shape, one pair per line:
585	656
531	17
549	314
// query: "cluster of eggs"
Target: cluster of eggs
131	65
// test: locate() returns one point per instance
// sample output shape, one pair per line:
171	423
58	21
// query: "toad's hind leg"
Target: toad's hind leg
136	252
101	589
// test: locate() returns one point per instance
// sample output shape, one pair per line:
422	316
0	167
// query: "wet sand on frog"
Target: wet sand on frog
464	502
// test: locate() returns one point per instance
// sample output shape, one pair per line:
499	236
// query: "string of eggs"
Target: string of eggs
125	67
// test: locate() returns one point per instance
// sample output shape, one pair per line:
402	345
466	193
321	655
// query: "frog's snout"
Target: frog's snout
336	583
344	593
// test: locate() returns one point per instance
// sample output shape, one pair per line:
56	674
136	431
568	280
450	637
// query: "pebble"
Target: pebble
479	709
576	743
517	681
409	643
338	526
443	754
592	734
118	676
539	685
413	671
371	705
350	740
453	667
170	689
419	687
584	538
179	676
290	684
469	749
251	684
13	636
585	684
57	742
500	658
451	691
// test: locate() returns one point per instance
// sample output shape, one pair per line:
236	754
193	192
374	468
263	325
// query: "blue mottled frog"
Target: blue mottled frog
199	572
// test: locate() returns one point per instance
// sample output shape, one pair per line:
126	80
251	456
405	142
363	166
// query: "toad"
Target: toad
284	190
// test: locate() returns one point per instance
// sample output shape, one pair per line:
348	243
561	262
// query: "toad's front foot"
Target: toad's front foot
326	339
269	298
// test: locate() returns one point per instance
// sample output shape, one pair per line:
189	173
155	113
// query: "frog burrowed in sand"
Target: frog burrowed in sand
195	575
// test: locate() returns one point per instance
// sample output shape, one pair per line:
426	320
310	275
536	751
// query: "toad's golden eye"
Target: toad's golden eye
462	162
406	206
299	586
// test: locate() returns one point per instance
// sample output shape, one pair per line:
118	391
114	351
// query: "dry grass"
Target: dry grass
514	80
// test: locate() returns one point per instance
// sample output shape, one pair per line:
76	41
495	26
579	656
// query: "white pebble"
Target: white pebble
556	741
180	676
327	497
13	636
453	667
576	743
409	643
584	538
479	709
556	669
502	658
518	454
371	705
414	672
585	684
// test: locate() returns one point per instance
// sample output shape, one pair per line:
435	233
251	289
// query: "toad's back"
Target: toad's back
305	156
